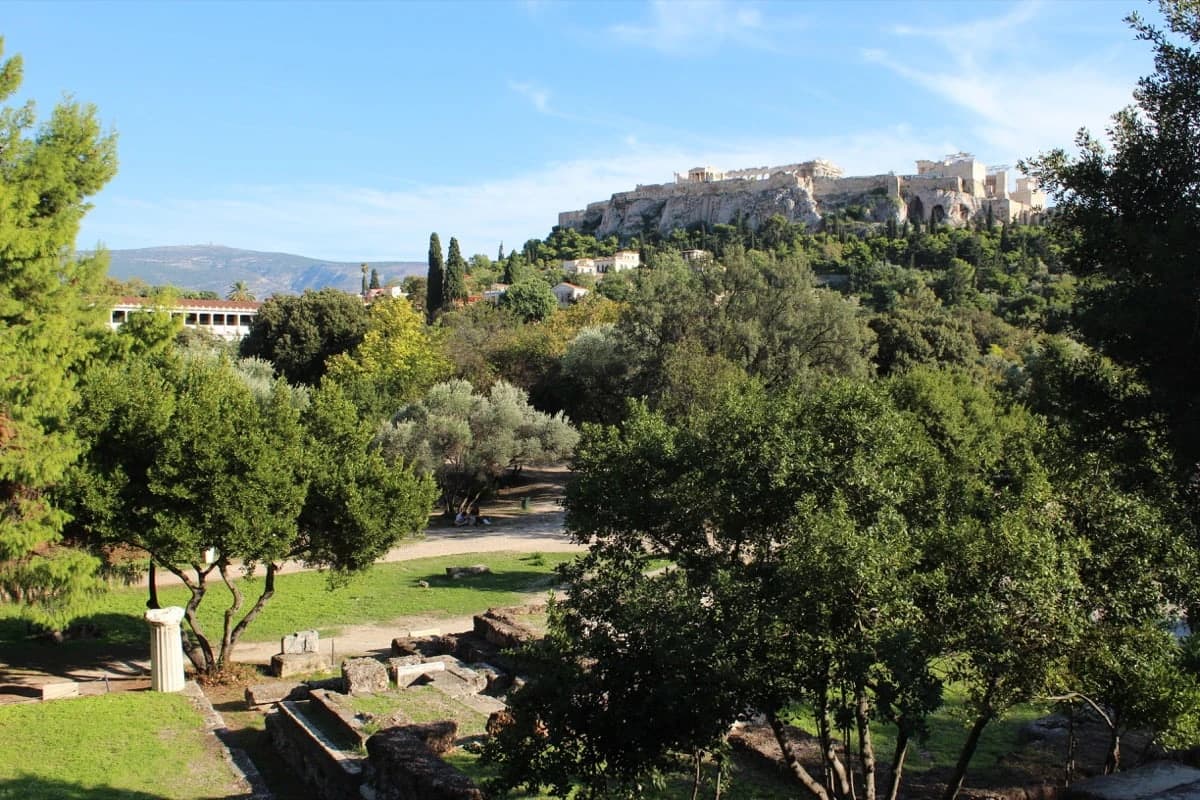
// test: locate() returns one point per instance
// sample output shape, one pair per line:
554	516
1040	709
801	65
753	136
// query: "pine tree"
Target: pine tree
456	276
436	286
47	309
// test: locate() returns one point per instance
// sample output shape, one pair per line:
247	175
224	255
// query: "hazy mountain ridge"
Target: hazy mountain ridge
215	268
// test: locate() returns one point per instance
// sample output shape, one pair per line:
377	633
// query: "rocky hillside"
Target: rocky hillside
214	268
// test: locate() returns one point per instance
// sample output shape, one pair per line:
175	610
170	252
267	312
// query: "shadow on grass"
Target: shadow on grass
506	581
110	628
34	787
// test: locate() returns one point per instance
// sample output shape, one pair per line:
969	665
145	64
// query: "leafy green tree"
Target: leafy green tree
456	276
471	337
593	378
515	269
415	287
530	300
920	331
397	361
47	310
144	331
1134	219
466	440
435	285
298	334
185	458
828	527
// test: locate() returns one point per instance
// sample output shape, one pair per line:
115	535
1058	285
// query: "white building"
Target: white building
225	319
602	265
568	293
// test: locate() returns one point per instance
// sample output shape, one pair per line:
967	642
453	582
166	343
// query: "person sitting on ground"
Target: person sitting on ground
463	518
479	518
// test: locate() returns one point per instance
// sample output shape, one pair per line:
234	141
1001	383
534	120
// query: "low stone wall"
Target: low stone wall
403	767
334	774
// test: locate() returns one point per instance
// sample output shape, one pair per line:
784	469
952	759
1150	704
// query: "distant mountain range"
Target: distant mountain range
214	268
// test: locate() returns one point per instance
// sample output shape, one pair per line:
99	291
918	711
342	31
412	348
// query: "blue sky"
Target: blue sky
350	131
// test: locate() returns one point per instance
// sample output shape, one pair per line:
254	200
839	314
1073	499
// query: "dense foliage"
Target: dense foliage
299	334
49	326
185	460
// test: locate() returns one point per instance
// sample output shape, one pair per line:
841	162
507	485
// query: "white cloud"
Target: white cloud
1024	98
537	95
698	26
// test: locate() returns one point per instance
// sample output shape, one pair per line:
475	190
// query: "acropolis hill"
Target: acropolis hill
954	191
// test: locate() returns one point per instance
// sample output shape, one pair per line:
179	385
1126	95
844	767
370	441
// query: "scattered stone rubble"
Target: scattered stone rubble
315	730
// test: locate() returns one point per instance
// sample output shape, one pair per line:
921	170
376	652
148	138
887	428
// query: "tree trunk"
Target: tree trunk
836	779
866	749
720	777
696	774
152	586
227	623
267	593
1112	762
968	750
207	662
898	764
1072	746
793	763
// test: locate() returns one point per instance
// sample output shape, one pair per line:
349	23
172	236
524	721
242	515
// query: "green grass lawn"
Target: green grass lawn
948	728
132	746
304	600
423	704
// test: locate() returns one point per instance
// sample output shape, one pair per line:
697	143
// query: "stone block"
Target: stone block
497	680
405	646
468	572
404	767
285	665
451	685
262	694
476	681
1160	780
408	674
364	676
437	736
397	662
60	690
299	642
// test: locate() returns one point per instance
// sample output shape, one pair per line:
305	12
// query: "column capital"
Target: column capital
171	615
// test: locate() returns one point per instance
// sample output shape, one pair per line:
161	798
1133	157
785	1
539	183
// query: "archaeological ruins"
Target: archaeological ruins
955	190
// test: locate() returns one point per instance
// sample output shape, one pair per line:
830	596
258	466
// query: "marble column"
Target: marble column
166	649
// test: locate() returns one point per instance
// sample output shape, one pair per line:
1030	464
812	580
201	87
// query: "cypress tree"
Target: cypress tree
374	278
500	252
456	276
435	287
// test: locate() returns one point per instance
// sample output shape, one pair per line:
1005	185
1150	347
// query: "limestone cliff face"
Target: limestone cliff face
666	207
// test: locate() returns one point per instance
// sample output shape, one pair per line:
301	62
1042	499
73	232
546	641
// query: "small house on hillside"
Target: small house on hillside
568	293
